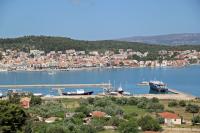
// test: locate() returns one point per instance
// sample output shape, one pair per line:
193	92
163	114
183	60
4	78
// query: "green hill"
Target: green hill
48	43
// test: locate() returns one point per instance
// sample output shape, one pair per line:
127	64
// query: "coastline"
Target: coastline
93	68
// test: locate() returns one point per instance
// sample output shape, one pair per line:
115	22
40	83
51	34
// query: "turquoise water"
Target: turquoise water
186	79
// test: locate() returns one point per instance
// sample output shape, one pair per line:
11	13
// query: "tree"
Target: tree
192	108
57	129
182	103
13	98
130	126
155	100
172	103
35	100
98	123
155	107
148	123
12	117
142	104
85	110
196	119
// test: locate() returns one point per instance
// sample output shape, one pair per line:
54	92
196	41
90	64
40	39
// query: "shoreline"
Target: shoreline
94	68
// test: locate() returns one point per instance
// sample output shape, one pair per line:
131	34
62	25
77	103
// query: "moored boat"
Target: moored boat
120	90
158	86
78	92
143	83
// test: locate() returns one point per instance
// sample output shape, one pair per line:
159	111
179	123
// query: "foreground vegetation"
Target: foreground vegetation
125	115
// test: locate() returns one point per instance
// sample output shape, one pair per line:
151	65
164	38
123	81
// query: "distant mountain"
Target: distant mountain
169	39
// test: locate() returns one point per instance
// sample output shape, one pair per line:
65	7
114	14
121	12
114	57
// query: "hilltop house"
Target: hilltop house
170	118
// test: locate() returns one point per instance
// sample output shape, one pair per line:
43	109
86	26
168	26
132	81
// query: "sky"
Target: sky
98	19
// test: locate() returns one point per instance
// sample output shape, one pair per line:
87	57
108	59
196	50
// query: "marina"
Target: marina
41	83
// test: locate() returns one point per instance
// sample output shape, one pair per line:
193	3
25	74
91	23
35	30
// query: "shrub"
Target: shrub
192	108
98	123
182	103
132	101
155	107
57	129
155	100
12	117
142	104
196	119
35	100
172	103
147	123
85	110
161	120
128	127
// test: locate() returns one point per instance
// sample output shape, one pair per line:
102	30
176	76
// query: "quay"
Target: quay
103	85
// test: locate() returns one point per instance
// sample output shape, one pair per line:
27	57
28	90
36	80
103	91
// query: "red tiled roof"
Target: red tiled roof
98	114
169	115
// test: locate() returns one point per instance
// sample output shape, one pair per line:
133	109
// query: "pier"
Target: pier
103	85
59	87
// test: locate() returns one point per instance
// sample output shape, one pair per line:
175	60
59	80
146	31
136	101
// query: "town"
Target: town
72	59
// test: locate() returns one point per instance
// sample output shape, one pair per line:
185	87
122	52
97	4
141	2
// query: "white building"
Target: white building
170	118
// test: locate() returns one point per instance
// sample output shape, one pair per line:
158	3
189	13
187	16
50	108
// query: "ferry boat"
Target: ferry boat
78	92
158	86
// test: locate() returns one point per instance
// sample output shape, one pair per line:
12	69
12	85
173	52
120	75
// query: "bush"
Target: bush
83	109
132	101
155	100
161	120
155	107
192	108
12	117
182	103
172	103
147	123
35	100
130	116
87	129
57	129
128	127
122	101
98	123
113	121
142	104
196	119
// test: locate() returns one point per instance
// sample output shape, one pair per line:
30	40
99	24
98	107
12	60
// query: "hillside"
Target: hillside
170	39
48	43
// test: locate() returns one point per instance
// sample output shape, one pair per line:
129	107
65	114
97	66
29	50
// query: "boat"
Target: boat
125	93
37	94
1	94
51	72
78	92
158	86
143	83
120	90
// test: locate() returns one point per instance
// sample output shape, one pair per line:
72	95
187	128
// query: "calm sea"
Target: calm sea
186	79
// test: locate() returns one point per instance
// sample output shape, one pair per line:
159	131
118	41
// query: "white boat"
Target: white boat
143	83
37	94
51	72
1	94
126	93
113	93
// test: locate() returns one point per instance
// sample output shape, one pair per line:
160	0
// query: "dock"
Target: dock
103	85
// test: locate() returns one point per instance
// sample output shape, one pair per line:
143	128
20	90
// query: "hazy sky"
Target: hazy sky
98	19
